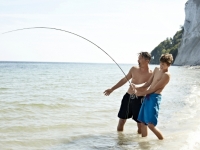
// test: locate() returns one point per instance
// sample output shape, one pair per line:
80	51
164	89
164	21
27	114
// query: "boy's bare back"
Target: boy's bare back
159	80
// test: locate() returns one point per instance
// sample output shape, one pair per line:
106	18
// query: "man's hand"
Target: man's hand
107	92
132	85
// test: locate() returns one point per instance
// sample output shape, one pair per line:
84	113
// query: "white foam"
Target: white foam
192	140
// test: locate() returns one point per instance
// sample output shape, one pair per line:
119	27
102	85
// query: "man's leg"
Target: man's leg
121	123
155	131
144	130
139	128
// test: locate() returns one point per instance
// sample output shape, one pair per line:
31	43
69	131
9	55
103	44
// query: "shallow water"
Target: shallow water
57	106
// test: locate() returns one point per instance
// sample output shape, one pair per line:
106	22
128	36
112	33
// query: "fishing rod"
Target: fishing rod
131	96
73	34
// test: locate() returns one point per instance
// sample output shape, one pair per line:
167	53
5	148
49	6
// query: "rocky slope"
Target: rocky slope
189	50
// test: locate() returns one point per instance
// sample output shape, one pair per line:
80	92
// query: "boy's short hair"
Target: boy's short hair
166	58
145	55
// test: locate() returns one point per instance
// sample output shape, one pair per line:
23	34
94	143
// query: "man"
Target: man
130	105
148	114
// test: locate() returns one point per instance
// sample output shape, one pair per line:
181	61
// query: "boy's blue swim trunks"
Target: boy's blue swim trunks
149	109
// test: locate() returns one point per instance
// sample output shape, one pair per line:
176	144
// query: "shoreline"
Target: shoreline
185	66
192	66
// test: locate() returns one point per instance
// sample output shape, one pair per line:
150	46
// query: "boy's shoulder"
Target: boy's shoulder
165	73
156	69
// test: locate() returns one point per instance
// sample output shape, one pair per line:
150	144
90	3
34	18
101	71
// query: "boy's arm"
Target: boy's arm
147	84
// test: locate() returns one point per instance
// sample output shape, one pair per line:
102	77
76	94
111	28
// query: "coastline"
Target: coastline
192	66
185	66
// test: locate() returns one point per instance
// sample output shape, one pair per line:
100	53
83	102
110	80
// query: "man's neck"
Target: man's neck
144	68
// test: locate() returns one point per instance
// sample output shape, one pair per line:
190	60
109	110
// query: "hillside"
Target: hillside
170	45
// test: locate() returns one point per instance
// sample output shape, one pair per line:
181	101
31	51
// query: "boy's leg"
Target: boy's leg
121	123
139	128
155	131
144	130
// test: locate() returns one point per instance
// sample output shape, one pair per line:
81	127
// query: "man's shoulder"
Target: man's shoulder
150	71
134	68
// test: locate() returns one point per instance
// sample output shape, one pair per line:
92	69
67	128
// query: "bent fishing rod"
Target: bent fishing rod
73	34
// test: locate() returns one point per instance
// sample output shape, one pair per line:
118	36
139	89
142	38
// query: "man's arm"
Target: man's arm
120	83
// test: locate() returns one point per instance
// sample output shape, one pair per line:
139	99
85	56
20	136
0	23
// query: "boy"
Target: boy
148	114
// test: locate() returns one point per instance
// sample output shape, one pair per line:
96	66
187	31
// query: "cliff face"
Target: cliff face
189	50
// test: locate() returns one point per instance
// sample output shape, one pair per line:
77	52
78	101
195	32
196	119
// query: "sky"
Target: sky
122	28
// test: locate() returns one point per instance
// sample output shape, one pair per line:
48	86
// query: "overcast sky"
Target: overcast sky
122	28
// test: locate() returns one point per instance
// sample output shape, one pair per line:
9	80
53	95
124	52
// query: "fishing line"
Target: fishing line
73	34
131	96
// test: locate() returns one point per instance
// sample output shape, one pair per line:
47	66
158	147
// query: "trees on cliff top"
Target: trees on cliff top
170	45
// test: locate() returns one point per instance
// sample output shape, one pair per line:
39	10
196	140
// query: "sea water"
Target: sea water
61	106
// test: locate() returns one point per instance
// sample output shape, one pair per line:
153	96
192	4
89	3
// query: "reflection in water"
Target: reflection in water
135	141
121	138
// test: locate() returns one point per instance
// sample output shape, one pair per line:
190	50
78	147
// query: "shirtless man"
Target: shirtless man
130	105
148	114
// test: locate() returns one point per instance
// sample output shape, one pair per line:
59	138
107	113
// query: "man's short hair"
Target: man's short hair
166	58
145	55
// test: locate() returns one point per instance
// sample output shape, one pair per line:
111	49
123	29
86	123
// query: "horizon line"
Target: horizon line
14	61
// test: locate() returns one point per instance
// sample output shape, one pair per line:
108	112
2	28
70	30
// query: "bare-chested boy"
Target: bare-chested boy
130	105
148	114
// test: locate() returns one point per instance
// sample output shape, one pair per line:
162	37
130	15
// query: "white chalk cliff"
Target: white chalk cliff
189	50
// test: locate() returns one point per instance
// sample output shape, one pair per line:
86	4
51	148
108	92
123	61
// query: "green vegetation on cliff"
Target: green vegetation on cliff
170	45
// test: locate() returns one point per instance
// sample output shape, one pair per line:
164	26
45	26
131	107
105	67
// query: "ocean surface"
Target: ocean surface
61	106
